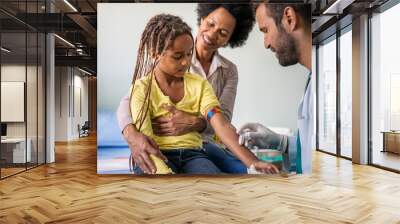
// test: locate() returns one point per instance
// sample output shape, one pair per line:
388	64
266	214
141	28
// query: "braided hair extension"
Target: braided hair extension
158	36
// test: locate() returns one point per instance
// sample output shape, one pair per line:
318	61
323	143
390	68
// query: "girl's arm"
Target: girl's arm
210	109
226	132
227	96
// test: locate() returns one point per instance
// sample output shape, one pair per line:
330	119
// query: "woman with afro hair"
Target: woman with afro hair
219	25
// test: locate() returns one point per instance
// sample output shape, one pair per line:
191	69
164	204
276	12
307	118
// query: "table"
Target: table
13	150
391	141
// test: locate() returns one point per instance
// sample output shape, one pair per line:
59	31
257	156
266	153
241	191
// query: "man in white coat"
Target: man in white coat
287	32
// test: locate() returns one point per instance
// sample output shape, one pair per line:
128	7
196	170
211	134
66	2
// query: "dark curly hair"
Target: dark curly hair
242	12
275	9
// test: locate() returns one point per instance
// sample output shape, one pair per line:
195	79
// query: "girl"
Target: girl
161	81
219	25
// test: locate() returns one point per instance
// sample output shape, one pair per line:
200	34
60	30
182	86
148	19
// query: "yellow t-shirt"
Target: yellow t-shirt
198	99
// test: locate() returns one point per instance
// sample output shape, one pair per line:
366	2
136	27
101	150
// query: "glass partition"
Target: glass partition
13	103
346	93
327	95
385	89
22	77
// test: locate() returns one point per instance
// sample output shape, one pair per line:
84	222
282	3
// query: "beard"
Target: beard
286	50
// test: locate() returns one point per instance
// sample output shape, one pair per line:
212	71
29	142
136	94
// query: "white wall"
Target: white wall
67	116
12	73
267	92
81	84
33	126
61	103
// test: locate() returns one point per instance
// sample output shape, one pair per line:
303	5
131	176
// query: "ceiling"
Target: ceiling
76	22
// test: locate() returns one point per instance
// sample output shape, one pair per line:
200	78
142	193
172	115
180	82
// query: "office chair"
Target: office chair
84	130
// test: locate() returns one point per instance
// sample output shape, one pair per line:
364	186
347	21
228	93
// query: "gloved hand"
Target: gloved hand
256	135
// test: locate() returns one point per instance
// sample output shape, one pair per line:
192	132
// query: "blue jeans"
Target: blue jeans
189	161
224	159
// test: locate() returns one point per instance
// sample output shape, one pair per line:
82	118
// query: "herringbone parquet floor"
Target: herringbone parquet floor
70	191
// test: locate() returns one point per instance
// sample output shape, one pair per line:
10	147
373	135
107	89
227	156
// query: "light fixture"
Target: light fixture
80	51
84	71
65	41
70	5
338	6
5	50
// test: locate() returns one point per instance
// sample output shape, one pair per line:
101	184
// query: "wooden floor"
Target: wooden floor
387	159
70	191
5	172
